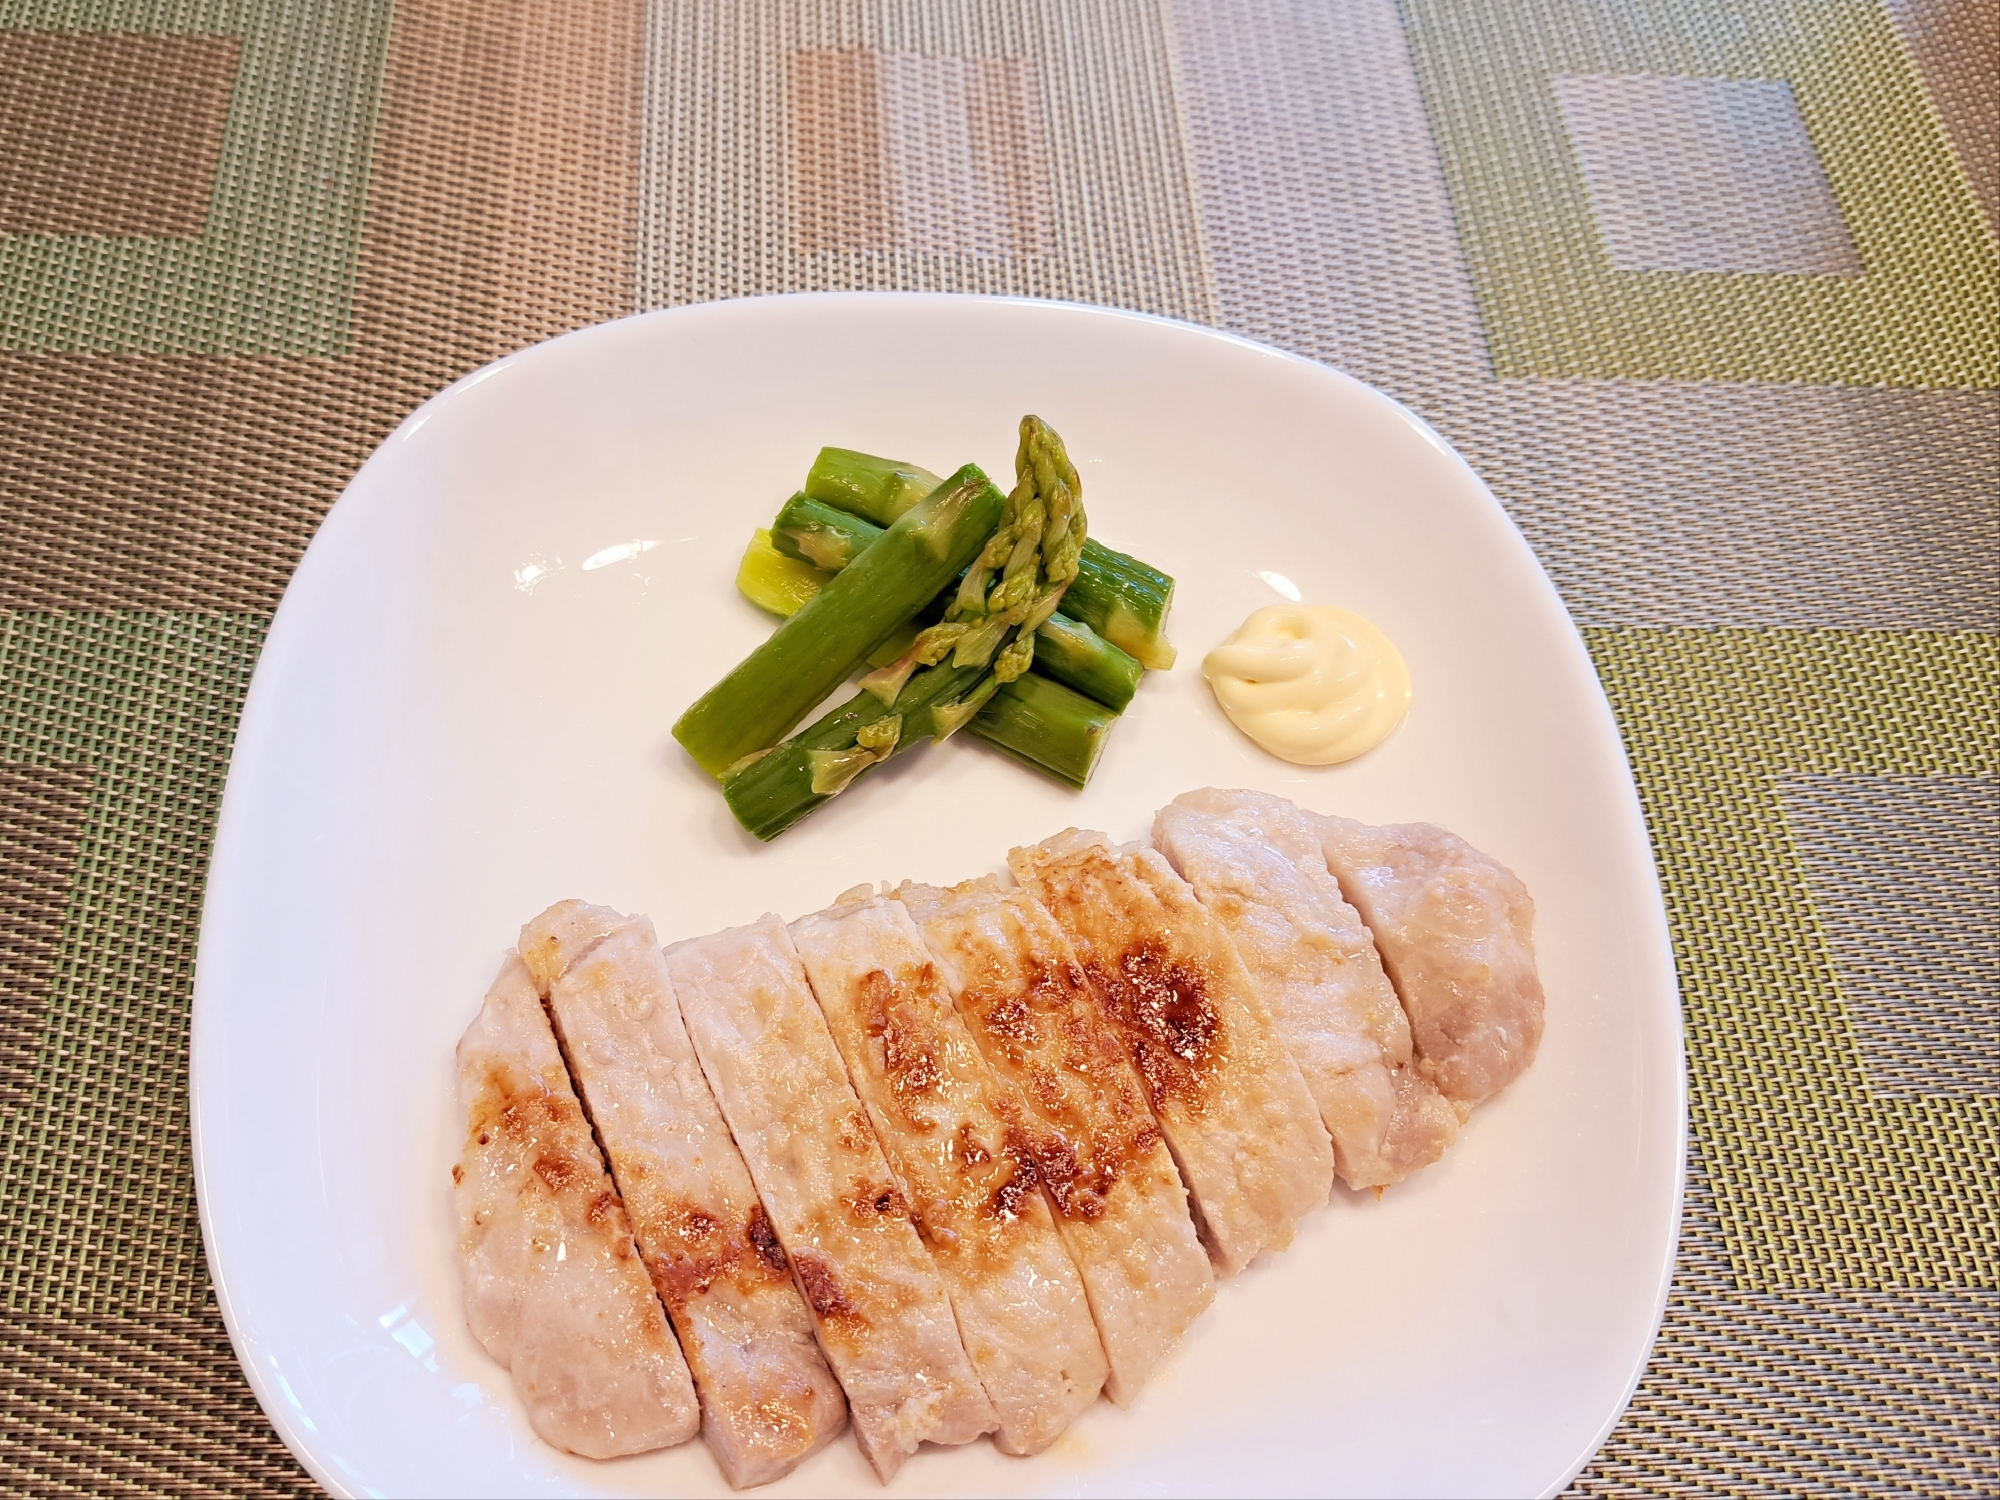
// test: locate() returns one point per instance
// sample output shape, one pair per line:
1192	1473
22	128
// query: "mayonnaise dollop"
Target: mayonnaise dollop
1312	684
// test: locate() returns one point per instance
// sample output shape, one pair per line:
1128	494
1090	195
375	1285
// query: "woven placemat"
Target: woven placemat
1705	290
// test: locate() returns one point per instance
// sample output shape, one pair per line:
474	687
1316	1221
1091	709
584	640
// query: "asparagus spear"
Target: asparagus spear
1042	723
1034	551
956	667
880	489
760	701
821	534
773	581
778	788
1070	652
814	533
1125	601
1046	724
1122	599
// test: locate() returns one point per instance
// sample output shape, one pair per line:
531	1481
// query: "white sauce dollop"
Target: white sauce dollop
1312	684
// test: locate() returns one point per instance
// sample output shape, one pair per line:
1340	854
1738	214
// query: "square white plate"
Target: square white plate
462	715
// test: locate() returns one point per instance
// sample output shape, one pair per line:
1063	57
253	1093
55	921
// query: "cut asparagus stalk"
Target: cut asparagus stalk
955	669
1070	652
1040	722
1011	590
988	631
780	585
880	489
1065	649
1125	601
895	644
820	534
768	692
1048	725
773	581
778	789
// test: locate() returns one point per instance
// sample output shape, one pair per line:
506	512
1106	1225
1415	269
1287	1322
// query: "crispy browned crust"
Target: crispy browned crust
1235	1110
955	1135
1082	1111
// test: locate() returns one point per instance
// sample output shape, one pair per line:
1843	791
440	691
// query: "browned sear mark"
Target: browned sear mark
1095	1121
764	1239
1082	1186
821	1284
557	1171
1054	985
1057	1164
517	1105
1045	1086
696	1225
690	1251
869	1201
1005	1204
890	1201
909	1038
1009	1019
971	1150
1170	1001
1172	1023
854	1132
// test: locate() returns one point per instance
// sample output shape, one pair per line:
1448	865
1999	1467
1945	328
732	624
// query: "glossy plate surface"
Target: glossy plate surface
462	715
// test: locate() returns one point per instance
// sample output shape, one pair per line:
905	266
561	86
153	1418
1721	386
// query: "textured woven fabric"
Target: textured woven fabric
1906	883
1555	304
1704	174
1759	453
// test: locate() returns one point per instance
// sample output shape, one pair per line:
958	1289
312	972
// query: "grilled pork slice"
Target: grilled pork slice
554	1288
883	1316
1235	1111
767	1397
955	1137
1455	930
1255	863
1119	1203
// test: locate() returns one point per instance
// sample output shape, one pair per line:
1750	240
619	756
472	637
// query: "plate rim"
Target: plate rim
289	1421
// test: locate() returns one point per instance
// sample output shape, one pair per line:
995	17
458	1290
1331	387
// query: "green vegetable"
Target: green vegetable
777	789
894	645
956	668
1069	651
992	621
1047	725
761	700
1042	723
1065	649
879	489
821	535
772	581
1125	601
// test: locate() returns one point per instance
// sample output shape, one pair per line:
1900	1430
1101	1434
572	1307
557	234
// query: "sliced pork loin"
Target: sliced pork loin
1455	931
954	1135
1119	1203
554	1287
882	1312
767	1397
1235	1111
1255	862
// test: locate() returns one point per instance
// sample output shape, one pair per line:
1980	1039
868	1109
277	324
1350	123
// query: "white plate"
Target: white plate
461	715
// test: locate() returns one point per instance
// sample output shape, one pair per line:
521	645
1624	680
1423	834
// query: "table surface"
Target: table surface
1708	290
